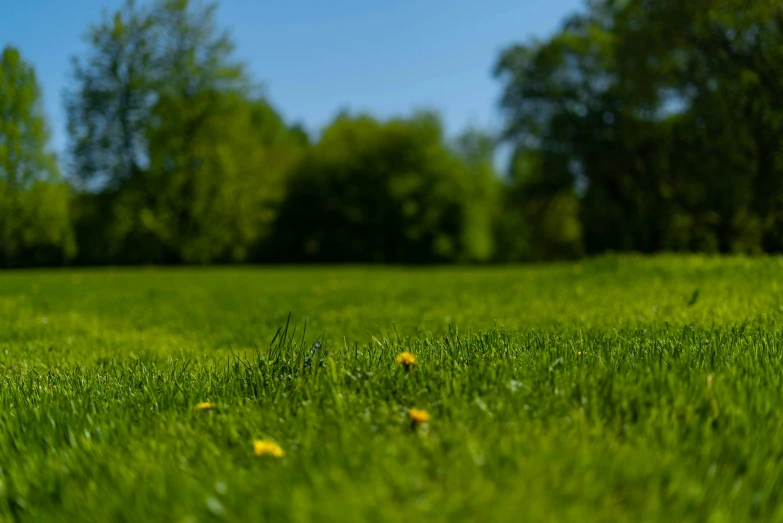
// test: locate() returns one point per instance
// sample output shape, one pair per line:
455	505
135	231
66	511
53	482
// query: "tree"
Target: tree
476	149
183	156
391	192
115	88
33	200
218	153
662	117
552	91
719	61
217	175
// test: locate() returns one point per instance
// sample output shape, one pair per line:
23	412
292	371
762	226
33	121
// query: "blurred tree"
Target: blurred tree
640	125
391	191
540	213
34	225
115	88
217	176
550	90
664	118
717	64
476	149
193	169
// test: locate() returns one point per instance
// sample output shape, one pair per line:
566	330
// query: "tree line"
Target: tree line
640	125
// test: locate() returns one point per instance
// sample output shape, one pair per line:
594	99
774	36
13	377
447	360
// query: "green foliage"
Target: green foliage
620	389
34	222
196	162
663	117
638	126
180	160
114	89
216	176
541	212
477	149
391	191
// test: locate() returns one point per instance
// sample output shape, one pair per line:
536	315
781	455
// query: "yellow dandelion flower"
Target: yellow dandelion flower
264	447
579	353
205	405
406	359
418	416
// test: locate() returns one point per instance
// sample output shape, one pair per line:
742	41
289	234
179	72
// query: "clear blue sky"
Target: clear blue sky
316	57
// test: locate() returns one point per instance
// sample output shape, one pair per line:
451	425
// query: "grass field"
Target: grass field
619	389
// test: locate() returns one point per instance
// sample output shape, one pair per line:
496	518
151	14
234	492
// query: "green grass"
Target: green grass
620	389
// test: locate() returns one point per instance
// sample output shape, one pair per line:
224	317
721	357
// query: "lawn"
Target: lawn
617	389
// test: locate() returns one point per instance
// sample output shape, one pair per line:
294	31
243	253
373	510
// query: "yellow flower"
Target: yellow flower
418	416
205	405
263	447
406	359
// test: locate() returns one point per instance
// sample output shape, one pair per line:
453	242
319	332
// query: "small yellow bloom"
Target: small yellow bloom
418	416
205	405
406	359
263	447
579	353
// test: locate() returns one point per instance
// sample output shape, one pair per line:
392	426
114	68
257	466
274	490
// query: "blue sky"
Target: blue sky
316	57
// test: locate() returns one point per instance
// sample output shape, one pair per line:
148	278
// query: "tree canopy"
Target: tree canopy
180	152
393	191
663	118
34	224
639	125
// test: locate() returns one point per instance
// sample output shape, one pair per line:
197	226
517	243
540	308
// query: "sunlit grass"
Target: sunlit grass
607	390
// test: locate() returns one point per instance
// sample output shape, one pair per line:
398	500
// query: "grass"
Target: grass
620	389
